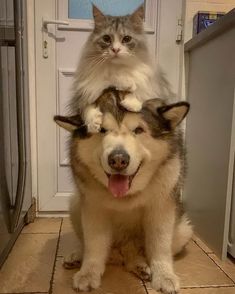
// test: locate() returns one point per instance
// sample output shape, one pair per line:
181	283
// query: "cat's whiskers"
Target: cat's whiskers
95	61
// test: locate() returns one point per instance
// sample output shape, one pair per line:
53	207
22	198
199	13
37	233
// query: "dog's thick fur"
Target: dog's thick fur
147	226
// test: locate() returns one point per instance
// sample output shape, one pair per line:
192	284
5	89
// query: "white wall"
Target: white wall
193	6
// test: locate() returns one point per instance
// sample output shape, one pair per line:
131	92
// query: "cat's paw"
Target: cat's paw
131	103
86	280
164	279
93	120
126	84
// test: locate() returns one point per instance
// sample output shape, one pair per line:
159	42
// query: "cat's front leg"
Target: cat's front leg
131	102
97	241
124	83
159	229
93	118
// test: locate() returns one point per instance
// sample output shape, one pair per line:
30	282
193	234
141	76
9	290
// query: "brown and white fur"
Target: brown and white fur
115	55
146	224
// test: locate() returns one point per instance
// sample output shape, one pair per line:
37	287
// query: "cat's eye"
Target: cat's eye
126	39
138	130
103	130
107	39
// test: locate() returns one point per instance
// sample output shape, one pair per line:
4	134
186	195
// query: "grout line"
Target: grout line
201	248
220	267
25	293
208	254
145	287
41	233
57	248
209	287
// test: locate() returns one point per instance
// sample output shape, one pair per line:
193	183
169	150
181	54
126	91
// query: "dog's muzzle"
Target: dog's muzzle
118	182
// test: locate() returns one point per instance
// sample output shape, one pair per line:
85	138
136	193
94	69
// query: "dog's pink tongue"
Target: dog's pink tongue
118	185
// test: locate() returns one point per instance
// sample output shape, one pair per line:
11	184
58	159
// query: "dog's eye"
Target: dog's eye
107	39
126	39
138	130
103	130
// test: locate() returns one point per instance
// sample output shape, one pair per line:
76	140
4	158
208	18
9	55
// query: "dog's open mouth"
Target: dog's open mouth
119	184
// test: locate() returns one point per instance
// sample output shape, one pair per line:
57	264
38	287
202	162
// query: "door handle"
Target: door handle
46	22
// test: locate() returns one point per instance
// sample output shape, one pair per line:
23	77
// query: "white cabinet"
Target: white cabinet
210	134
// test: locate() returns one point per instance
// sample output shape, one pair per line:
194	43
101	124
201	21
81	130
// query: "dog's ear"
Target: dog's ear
69	123
174	113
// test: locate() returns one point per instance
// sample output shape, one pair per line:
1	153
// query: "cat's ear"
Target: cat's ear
137	16
99	17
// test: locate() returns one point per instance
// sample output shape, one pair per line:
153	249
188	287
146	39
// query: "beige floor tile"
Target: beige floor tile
201	244
29	266
222	290
43	225
203	291
68	238
196	269
114	281
227	266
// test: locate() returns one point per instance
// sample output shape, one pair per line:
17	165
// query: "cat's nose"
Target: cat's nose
115	50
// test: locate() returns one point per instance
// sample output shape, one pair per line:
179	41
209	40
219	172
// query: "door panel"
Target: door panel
55	76
71	39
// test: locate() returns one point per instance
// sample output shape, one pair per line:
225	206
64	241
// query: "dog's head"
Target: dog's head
130	147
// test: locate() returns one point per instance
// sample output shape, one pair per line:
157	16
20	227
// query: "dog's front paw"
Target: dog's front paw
131	103
93	120
140	269
165	280
86	280
72	260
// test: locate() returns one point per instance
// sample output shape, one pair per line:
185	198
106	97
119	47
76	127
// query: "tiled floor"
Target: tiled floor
35	266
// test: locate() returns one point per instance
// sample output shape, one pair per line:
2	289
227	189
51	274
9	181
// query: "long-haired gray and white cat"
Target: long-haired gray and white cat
115	55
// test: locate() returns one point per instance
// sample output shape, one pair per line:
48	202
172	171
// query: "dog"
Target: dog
129	178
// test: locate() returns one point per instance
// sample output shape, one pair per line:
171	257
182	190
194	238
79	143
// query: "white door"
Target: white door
58	49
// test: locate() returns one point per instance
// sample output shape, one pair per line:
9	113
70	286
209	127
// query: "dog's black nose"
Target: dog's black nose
118	159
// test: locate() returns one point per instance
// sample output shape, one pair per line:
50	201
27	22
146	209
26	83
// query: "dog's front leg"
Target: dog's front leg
97	239
159	226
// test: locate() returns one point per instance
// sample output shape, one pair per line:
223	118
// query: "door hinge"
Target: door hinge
179	30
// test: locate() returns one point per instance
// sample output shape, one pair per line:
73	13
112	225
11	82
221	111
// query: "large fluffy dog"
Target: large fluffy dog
129	178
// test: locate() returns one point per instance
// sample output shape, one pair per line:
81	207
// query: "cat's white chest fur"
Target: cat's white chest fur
137	80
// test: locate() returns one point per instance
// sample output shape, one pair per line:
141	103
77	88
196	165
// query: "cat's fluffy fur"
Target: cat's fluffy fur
131	69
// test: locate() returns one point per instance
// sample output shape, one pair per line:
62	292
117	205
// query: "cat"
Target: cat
115	55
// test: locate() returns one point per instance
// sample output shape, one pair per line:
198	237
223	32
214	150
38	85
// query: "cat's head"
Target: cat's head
118	39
